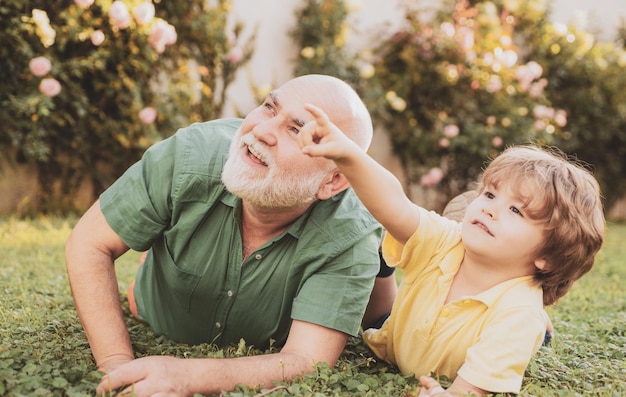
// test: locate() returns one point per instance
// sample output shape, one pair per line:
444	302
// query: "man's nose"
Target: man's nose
265	131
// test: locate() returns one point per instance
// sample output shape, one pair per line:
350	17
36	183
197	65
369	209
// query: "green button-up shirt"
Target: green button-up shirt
194	286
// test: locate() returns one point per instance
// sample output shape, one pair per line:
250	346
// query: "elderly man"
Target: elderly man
247	237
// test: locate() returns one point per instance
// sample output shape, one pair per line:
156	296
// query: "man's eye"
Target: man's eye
268	106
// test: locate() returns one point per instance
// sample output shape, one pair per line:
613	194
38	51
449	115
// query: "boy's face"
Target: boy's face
498	231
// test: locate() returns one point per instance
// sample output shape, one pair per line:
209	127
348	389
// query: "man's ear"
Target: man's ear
541	264
334	184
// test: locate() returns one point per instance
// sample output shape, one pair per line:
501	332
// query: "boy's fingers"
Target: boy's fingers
305	137
319	115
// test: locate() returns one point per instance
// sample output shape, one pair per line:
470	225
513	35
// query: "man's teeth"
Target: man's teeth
259	158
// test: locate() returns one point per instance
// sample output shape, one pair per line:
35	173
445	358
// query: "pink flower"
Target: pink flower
543	112
50	87
497	141
432	177
535	69
509	58
119	15
40	66
525	74
162	34
494	84
83	3
539	125
144	13
560	118
447	29
536	88
444	143
147	115
451	130
97	37
234	55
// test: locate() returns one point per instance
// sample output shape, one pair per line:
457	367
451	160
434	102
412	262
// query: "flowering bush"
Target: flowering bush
587	79
455	89
89	84
321	34
458	89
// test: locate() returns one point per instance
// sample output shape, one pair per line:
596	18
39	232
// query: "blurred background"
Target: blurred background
88	85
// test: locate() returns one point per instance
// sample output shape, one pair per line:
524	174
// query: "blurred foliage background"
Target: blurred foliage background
456	89
451	90
111	60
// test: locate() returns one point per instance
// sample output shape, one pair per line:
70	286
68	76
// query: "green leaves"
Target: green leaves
91	130
43	350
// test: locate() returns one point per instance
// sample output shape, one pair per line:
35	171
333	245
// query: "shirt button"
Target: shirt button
218	325
258	257
229	293
444	312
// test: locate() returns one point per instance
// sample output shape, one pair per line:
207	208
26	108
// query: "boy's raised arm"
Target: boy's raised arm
379	190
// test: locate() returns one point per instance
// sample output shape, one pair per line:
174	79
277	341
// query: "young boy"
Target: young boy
470	305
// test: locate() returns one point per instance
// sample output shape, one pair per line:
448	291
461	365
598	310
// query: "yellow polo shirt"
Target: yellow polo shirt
488	339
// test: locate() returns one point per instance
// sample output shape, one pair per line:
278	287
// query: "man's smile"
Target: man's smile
256	157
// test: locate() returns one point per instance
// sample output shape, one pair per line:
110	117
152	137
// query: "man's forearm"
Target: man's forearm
215	375
96	295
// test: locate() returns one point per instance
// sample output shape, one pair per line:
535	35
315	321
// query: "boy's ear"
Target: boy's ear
334	184
541	264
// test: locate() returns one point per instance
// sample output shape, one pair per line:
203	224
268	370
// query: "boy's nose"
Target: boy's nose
489	212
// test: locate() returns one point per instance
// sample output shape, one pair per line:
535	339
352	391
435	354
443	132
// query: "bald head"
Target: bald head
340	102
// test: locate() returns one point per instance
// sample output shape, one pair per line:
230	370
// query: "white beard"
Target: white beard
272	188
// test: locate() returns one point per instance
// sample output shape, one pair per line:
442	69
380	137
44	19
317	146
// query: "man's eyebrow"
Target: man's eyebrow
274	99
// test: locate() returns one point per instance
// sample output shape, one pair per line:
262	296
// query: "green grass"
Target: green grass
43	350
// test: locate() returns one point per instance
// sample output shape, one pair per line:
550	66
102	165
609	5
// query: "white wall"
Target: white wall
601	17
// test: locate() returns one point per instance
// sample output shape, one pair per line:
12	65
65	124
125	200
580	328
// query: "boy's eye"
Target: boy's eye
294	130
489	195
517	211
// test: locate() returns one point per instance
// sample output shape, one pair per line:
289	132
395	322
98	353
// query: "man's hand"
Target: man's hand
147	376
111	363
307	345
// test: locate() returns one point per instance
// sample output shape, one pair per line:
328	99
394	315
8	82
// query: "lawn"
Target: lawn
43	351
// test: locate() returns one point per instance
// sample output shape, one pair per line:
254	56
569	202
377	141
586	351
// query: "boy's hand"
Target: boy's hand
321	138
432	388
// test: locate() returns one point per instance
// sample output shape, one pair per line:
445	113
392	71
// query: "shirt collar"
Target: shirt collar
451	266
